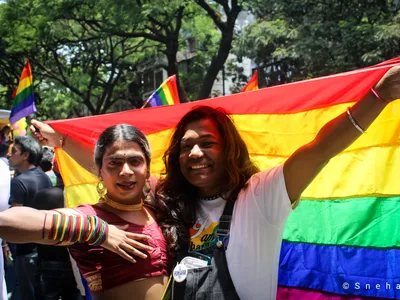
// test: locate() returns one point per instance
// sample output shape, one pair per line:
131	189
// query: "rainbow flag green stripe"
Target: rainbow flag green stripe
163	98
24	94
360	222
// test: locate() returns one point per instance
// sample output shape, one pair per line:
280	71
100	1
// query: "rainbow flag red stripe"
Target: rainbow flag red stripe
252	85
24	99
166	94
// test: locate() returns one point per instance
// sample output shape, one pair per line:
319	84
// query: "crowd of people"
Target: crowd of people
149	238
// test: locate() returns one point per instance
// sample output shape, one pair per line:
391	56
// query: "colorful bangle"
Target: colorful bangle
354	122
378	96
103	232
71	229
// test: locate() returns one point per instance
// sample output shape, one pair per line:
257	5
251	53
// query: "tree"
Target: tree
227	28
91	67
321	37
159	21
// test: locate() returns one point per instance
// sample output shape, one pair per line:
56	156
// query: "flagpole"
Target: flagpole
145	103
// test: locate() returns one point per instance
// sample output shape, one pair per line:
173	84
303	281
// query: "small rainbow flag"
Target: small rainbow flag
252	85
24	99
166	94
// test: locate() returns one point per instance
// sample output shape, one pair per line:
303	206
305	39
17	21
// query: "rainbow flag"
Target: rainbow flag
166	94
24	99
252	85
342	241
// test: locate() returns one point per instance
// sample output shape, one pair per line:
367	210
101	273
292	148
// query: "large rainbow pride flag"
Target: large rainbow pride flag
342	241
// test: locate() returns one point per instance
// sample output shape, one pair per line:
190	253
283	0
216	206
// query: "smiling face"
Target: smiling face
201	159
124	171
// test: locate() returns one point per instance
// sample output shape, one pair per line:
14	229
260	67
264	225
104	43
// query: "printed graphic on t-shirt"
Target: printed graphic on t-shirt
203	234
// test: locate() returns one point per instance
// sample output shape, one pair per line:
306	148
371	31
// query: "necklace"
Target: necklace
124	207
210	198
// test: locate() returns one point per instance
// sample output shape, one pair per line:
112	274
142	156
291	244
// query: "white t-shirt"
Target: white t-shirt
4	185
258	220
4	197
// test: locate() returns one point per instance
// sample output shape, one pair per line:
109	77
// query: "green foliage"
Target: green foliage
297	39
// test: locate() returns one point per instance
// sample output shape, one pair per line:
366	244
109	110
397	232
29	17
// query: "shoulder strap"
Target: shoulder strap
225	219
225	223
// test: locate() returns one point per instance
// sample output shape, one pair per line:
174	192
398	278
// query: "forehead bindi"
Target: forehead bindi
201	129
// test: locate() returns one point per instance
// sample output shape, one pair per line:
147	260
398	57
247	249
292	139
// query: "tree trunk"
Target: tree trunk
216	65
227	29
173	67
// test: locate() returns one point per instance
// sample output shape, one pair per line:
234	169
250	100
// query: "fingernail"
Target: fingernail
150	248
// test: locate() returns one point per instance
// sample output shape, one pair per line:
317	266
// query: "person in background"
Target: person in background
8	249
5	135
46	164
26	154
54	277
4	151
4	196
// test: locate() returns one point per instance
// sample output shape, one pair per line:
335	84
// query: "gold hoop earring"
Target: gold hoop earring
101	189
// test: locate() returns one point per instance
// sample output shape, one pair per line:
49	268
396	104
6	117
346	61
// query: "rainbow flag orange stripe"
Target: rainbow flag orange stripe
342	240
252	85
166	94
24	100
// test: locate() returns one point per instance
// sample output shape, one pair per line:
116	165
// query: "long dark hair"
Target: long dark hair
176	198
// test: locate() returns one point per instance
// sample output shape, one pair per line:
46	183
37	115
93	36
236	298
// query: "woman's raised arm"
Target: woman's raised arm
47	136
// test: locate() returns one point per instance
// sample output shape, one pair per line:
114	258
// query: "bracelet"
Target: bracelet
378	96
71	229
354	122
5	245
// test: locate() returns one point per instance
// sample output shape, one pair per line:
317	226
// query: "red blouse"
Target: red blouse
104	269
